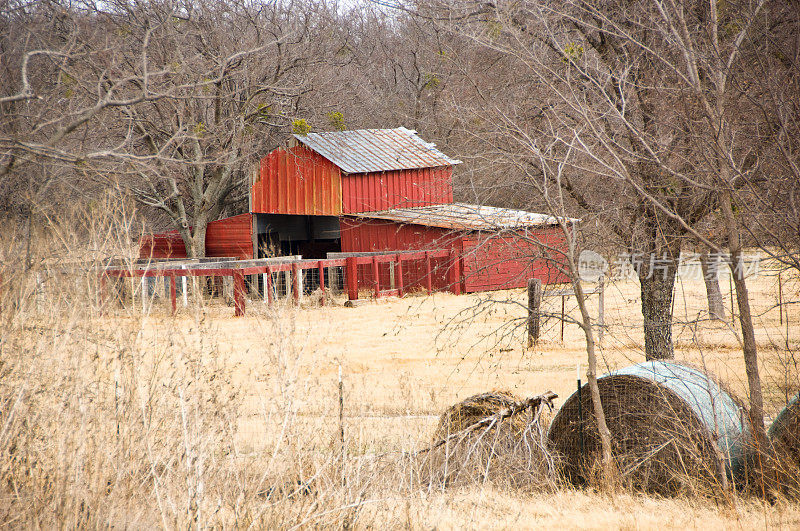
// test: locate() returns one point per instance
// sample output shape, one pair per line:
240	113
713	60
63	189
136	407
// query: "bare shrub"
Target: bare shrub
492	439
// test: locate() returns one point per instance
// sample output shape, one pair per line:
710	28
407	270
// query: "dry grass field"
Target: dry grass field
204	419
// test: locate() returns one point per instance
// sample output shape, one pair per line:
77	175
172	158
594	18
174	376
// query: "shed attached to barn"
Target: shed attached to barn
380	190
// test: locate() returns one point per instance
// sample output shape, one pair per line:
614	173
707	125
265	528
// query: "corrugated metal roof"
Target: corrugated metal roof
463	216
368	150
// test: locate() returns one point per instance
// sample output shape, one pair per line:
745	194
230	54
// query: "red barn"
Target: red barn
378	190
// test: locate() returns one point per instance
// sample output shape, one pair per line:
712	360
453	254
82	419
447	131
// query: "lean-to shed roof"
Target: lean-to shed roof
372	150
463	216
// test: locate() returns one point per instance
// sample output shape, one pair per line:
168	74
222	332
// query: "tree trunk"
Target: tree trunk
749	346
199	240
716	308
657	286
609	469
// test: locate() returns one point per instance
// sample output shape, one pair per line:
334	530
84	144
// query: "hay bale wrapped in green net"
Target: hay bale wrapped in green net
494	438
674	430
784	433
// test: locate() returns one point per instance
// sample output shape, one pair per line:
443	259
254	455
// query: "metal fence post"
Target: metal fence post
184	286
399	274
428	274
601	316
321	270
376	276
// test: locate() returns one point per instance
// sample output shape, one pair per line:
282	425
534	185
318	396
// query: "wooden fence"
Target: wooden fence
238	269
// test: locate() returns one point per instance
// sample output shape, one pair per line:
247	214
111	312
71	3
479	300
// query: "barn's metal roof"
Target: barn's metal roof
463	216
369	150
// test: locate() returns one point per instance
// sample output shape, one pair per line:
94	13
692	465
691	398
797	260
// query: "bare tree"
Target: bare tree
171	102
239	71
50	102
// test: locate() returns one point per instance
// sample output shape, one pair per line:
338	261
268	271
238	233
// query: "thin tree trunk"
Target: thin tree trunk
609	469
716	308
749	346
657	288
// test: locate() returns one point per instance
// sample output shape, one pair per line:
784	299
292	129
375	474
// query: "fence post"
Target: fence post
428	275
185	286
333	278
534	303
172	293
780	297
351	272
238	293
268	286
563	305
399	274
296	282
376	277
601	316
733	308
321	281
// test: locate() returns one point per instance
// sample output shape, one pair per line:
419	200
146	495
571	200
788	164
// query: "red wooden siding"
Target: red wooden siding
360	236
162	245
493	262
488	261
229	237
297	181
370	192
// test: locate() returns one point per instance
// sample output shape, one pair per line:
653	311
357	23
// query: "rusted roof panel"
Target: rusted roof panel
371	150
463	216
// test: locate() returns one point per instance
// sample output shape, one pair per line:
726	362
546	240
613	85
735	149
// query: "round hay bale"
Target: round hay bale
476	408
510	453
785	429
670	425
784	433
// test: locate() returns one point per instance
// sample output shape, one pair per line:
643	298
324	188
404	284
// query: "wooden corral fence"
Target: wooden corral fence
239	269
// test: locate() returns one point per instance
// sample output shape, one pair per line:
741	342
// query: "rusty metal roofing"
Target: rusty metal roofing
371	150
463	216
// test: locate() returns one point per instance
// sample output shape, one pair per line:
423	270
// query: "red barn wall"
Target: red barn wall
229	237
488	261
360	236
162	245
502	262
297	181
370	192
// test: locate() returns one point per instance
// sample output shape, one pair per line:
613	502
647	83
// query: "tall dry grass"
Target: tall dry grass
105	424
114	416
